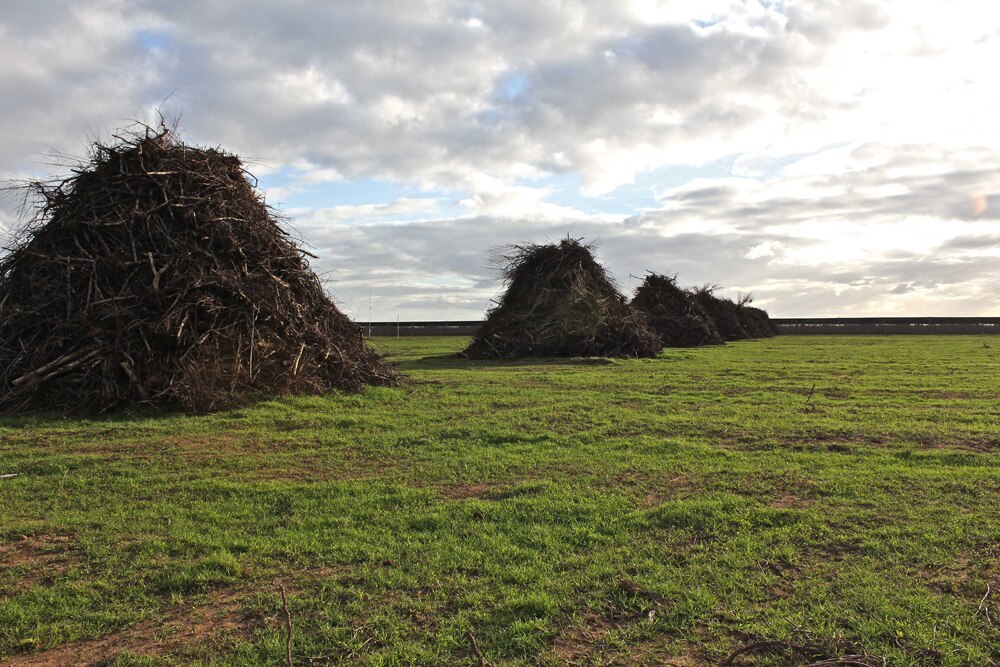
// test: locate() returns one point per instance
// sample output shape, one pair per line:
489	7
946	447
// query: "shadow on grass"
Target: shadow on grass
56	419
148	415
453	361
137	416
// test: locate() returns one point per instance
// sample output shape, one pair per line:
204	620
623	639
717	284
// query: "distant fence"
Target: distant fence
888	325
420	328
785	326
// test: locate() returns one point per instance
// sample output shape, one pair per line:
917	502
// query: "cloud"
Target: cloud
818	154
878	237
317	217
421	91
765	249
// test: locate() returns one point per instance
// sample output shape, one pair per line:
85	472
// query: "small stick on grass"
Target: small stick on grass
475	648
983	607
288	627
809	405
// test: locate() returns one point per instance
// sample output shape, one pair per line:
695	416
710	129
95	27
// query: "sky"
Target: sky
832	158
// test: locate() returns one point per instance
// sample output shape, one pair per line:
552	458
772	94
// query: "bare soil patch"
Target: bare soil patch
33	560
218	619
788	501
653	490
468	491
590	642
577	641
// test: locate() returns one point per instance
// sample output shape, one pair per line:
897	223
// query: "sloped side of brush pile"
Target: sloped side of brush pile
756	322
678	319
157	275
560	302
724	313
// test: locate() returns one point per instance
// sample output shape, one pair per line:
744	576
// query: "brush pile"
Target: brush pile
725	313
755	321
734	320
560	302
678	318
157	275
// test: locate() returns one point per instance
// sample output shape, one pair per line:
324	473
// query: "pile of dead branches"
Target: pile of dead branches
725	313
756	322
673	313
156	274
734	320
560	302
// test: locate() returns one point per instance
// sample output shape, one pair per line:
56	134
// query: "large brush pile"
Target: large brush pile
734	320
157	275
560	302
724	312
673	313
756	322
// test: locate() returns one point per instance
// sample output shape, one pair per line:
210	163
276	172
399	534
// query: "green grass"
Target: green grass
836	493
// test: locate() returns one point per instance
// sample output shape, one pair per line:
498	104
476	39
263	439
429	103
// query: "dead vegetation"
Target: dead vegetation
677	317
560	302
155	274
734	320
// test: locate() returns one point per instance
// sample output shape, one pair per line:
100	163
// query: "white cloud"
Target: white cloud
863	136
764	250
362	213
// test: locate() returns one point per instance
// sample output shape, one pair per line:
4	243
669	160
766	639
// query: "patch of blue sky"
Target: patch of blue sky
447	280
567	190
765	168
630	198
513	84
295	195
677	175
648	185
708	23
342	192
152	40
508	95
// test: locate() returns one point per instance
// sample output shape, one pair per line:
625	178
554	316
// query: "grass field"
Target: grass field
836	496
